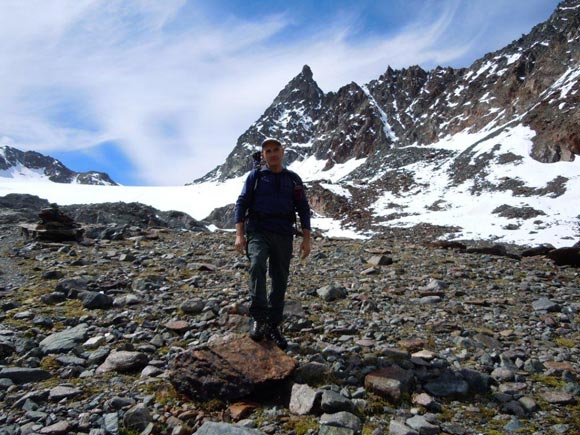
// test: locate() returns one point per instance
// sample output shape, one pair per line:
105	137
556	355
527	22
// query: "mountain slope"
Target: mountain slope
424	146
16	164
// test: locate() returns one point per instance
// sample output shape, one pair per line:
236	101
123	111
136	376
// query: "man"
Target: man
265	216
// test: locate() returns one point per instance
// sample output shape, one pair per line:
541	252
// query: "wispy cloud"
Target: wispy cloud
174	88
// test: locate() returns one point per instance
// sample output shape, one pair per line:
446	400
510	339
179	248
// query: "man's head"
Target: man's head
273	154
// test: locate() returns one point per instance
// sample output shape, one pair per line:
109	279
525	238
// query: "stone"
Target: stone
421	425
64	341
558	398
331	402
95	300
448	385
230	368
24	375
58	428
342	419
545	304
426	401
303	399
241	410
487	341
398	428
123	361
380	260
179	326
192	306
63	392
568	256
389	382
330	293
137	418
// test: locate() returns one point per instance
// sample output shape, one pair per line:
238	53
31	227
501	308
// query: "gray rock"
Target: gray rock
421	425
111	423
64	341
545	304
192	306
430	300
95	300
448	385
380	260
137	418
330	293
122	361
71	287
303	399
528	404
24	375
513	425
332	402
342	419
58	428
398	428
63	392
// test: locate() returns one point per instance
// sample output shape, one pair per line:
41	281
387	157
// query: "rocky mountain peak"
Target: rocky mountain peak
460	126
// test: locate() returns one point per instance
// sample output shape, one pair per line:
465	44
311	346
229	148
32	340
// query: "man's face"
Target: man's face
273	154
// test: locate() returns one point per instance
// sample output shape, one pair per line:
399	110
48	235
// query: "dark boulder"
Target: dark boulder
230	368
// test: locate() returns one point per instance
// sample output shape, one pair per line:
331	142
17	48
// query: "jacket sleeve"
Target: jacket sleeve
245	199
303	208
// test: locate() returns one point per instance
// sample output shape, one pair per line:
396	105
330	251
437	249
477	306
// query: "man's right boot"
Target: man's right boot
257	330
277	337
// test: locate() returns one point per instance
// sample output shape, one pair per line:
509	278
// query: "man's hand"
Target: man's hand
241	243
305	248
240	238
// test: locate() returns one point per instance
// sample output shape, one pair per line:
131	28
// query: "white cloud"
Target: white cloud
173	88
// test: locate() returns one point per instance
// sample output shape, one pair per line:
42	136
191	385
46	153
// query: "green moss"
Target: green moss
550	381
301	425
49	363
565	342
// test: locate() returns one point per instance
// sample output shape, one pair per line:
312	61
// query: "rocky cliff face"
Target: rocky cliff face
13	161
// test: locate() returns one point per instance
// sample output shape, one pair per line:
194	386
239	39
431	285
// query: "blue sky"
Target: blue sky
157	92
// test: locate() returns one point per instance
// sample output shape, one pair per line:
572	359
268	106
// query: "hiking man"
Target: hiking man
265	216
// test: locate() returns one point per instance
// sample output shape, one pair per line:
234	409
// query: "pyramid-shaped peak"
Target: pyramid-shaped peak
306	72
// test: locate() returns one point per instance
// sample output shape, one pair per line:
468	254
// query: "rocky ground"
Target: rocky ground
389	335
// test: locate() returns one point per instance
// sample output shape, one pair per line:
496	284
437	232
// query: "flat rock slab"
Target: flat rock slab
229	368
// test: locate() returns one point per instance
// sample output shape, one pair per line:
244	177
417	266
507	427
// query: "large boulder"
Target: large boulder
229	368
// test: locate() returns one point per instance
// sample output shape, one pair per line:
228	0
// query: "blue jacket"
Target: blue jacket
269	200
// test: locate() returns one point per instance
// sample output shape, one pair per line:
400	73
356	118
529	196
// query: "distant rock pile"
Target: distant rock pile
54	226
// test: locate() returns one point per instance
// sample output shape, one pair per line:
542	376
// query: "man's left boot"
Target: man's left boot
277	337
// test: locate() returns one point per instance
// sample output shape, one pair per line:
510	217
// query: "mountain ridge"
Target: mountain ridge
415	136
14	163
421	107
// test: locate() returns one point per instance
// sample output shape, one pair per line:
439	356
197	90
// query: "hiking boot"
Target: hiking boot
257	330
277	337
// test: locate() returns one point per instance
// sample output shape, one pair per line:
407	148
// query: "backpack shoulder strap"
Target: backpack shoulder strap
294	177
